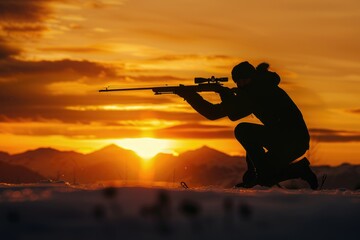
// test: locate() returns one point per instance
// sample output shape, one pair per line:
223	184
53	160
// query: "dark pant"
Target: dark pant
270	150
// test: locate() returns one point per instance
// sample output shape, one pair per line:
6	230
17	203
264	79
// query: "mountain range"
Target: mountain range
201	167
108	163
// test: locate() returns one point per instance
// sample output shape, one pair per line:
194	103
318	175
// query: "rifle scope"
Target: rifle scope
210	80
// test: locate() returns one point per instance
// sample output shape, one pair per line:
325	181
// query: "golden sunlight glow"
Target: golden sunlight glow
146	148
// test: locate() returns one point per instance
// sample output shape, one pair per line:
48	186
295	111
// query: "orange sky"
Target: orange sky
56	54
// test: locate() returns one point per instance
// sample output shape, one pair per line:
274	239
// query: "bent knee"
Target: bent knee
241	131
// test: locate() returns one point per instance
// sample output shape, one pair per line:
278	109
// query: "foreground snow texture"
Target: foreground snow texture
65	212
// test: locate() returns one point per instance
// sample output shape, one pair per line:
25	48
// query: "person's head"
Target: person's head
243	73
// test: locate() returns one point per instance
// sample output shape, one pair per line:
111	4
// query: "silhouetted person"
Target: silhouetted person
271	147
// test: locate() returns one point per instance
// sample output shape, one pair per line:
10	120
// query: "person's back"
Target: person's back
272	106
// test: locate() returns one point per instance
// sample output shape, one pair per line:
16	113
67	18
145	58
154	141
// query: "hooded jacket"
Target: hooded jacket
268	102
261	97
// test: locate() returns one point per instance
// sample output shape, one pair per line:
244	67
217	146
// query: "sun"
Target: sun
146	148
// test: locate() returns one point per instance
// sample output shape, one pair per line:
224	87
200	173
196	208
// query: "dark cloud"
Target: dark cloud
196	134
77	131
28	90
24	10
84	68
7	51
73	49
354	111
329	135
123	131
28	97
196	130
195	126
21	28
181	57
192	130
19	18
39	113
24	19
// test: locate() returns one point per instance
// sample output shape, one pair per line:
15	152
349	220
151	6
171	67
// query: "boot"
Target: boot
250	176
300	169
249	180
308	175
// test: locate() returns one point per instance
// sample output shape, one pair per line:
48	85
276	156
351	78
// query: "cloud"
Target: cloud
329	135
77	130
24	85
47	91
24	10
125	129
14	67
195	126
196	130
23	28
6	50
22	17
89	49
181	57
43	113
354	111
22	21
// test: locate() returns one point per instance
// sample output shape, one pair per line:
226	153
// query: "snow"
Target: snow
60	211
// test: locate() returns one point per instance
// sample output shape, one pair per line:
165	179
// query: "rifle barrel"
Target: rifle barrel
124	89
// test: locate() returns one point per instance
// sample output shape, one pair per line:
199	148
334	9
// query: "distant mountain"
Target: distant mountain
4	156
165	167
110	153
108	163
50	163
203	166
111	163
204	156
18	174
343	176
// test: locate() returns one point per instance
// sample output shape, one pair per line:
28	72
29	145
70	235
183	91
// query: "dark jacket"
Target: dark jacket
263	98
267	101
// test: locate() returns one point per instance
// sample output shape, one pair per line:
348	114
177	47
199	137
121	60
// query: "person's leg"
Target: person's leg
281	167
253	138
250	176
275	165
300	169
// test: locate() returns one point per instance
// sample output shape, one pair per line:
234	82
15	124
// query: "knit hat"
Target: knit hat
243	70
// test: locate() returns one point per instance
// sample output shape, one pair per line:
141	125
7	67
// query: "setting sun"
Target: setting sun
146	148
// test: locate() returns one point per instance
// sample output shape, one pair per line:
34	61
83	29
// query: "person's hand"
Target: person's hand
186	93
225	93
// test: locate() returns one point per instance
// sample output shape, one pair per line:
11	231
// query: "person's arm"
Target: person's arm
232	106
205	108
235	106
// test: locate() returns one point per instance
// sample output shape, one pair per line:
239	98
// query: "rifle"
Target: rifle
202	85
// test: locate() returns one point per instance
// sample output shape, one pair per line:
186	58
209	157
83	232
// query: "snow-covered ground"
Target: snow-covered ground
56	211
